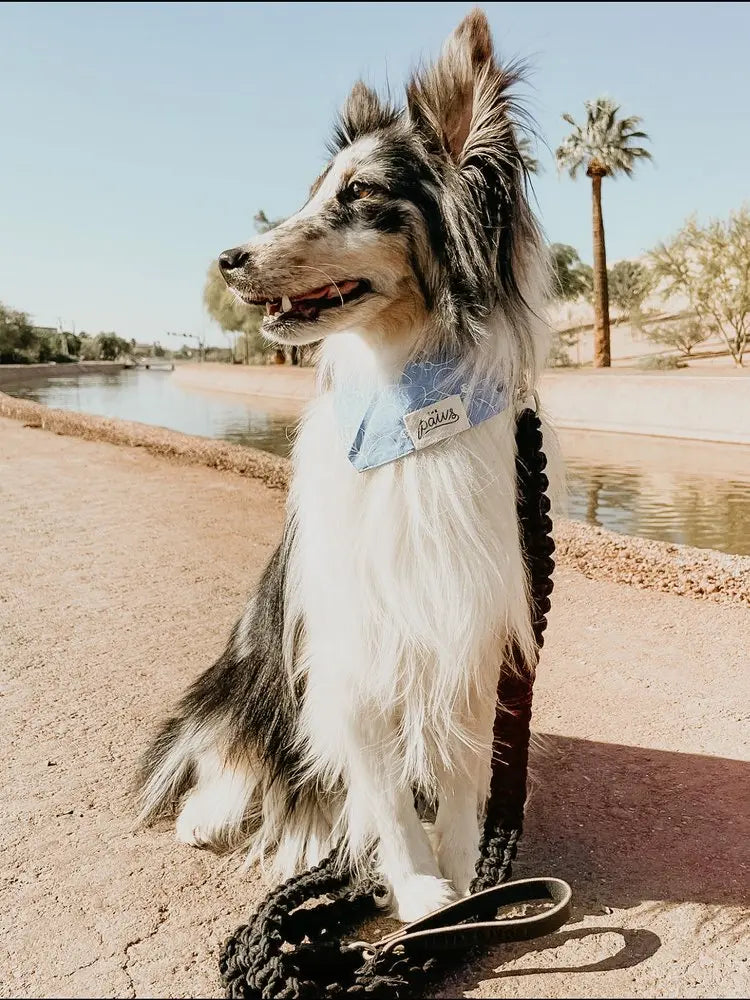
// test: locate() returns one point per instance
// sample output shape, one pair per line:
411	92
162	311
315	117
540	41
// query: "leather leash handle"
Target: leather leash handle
471	921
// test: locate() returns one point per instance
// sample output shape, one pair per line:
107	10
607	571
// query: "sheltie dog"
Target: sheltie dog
363	670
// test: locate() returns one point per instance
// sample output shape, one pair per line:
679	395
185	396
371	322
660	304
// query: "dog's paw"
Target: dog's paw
457	863
195	826
421	894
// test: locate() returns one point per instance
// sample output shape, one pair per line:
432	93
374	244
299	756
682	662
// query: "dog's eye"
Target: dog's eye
358	189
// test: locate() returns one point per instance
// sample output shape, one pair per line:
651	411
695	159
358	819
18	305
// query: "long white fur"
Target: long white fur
412	583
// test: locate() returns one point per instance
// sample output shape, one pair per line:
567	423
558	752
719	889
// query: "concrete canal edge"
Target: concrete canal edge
699	407
595	552
290	383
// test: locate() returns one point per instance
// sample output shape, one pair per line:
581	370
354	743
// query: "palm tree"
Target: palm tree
528	153
604	145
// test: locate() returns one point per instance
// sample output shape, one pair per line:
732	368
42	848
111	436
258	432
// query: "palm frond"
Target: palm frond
528	152
630	123
603	137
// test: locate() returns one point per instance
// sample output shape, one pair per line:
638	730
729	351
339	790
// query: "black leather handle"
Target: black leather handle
472	920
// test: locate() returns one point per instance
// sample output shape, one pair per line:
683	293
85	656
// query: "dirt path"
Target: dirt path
120	576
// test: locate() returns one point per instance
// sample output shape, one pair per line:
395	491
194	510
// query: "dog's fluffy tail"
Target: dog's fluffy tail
168	767
242	708
228	757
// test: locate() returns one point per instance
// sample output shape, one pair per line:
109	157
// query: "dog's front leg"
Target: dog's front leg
457	826
405	856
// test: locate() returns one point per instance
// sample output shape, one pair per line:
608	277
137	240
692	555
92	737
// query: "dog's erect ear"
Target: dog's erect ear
441	98
363	112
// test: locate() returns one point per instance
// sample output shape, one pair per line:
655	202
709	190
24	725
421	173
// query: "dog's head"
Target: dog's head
420	220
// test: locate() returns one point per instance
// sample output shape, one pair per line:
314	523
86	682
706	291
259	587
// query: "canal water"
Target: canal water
677	491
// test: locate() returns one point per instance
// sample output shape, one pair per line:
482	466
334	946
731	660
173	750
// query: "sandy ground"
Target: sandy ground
121	573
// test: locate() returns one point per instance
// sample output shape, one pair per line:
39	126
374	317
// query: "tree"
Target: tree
710	266
682	334
45	351
111	347
528	153
74	344
571	278
629	284
263	224
18	338
559	353
89	348
603	144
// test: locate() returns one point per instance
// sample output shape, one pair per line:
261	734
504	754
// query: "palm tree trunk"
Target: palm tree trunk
601	289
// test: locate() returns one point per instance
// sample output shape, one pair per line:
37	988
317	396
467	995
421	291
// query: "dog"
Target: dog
363	670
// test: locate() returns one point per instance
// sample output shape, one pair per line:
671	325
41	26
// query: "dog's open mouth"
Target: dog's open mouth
310	305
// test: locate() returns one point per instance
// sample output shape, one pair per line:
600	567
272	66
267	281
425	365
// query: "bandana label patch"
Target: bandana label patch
437	422
428	402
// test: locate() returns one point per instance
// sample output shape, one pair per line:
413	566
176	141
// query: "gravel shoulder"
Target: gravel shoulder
122	572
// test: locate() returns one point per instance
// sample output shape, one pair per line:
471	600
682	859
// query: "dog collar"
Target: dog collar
431	401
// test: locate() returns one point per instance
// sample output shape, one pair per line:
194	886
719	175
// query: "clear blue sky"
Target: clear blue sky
137	141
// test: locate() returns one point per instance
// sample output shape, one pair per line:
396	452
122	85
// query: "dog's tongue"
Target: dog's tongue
317	293
342	289
327	291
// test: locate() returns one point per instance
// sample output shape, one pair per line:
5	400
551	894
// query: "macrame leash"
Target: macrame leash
287	952
503	824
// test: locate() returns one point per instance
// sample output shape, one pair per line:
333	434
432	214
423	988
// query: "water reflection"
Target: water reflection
154	397
676	491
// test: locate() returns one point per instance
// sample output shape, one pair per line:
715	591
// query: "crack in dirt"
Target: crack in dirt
81	968
162	917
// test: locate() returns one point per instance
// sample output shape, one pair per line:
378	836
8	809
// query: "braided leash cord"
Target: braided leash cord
285	952
503	824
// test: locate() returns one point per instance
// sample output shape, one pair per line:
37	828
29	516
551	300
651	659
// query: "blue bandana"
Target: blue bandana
428	404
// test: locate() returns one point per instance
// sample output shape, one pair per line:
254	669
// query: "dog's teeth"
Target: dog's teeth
268	308
286	303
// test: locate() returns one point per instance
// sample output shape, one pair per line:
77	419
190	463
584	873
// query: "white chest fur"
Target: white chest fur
411	583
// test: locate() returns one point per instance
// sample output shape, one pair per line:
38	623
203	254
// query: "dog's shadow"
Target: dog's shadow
625	825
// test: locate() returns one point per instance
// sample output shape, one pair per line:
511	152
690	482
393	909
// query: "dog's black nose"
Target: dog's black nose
233	259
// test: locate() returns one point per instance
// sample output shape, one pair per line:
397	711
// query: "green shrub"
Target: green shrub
13	357
45	352
559	355
682	334
661	362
